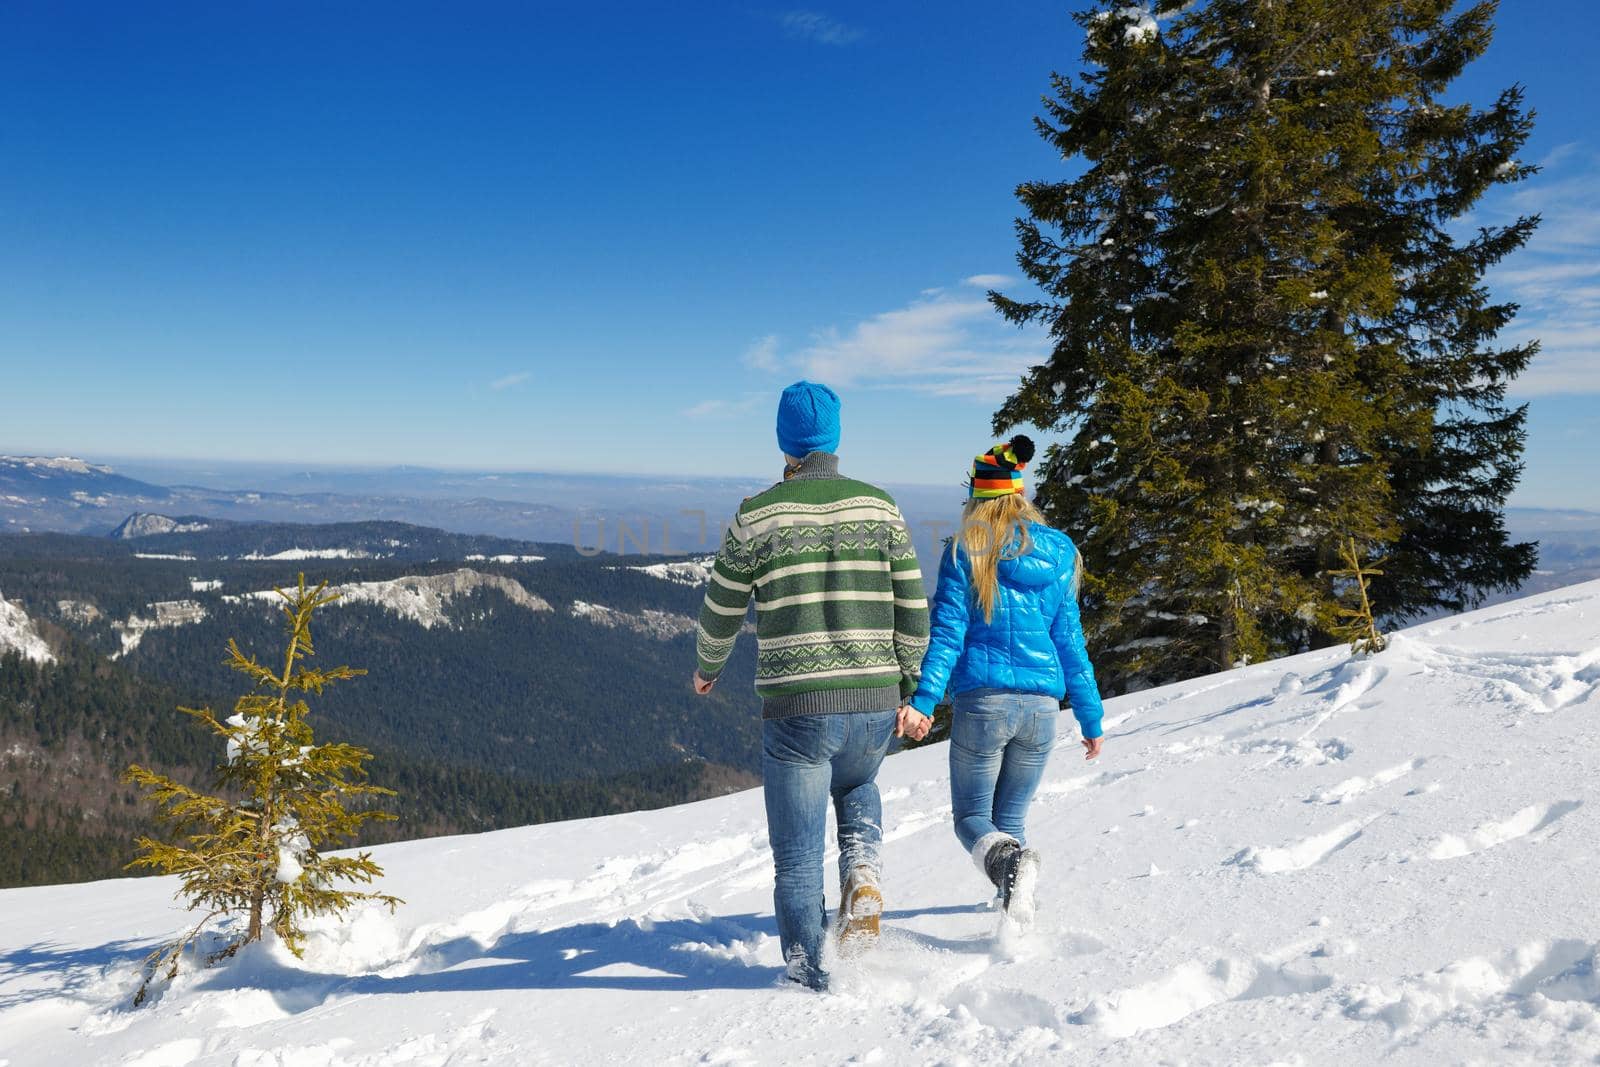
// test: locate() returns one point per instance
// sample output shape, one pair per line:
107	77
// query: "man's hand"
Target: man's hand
912	723
703	685
1092	746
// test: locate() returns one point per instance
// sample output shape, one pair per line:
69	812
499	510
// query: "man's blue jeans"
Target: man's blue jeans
1000	742
805	760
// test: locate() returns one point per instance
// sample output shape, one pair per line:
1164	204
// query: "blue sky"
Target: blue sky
601	235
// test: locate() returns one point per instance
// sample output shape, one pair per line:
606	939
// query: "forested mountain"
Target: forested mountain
508	683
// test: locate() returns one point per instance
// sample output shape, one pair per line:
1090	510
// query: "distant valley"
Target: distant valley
510	681
615	513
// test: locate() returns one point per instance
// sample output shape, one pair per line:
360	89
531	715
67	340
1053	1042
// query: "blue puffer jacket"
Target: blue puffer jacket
1034	643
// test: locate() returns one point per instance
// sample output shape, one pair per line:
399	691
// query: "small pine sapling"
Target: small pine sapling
252	850
1358	625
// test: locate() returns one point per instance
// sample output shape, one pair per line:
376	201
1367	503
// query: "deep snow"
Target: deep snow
1313	861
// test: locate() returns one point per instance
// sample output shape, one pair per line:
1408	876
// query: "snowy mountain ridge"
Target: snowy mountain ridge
683	572
1317	860
149	524
69	464
18	634
422	599
661	625
164	614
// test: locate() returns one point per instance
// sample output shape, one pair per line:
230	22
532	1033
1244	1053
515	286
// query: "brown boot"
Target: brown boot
860	904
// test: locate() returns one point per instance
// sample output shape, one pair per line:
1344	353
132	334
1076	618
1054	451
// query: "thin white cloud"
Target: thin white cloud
762	354
1567	359
947	342
1559	153
820	28
1545	274
723	407
987	281
1556	276
510	380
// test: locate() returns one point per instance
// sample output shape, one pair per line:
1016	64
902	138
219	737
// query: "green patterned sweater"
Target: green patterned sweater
841	619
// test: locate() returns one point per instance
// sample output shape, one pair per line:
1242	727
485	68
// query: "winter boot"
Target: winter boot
1024	881
860	904
1014	870
999	862
802	972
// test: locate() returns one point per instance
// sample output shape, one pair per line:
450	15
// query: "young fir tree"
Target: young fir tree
257	857
1267	339
1359	625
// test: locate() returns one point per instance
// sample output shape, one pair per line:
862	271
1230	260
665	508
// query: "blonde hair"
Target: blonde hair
988	530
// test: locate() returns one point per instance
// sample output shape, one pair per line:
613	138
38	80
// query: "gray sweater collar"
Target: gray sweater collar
817	465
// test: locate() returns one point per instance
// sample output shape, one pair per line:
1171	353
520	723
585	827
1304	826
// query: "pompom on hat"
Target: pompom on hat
998	472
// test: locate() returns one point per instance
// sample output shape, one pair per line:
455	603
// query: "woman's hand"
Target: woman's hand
1092	746
703	685
912	723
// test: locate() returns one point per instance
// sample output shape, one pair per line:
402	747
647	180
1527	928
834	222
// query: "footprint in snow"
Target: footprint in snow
1189	988
1351	788
1539	682
1536	822
1302	854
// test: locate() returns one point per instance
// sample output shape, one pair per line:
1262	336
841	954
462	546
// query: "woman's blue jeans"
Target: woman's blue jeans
1000	742
806	760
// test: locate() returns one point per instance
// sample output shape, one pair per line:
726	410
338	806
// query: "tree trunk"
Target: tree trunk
1328	456
258	886
1227	638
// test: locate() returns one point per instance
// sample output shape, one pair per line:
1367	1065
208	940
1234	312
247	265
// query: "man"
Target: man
841	626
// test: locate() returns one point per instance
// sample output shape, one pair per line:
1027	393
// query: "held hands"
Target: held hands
912	723
1092	746
703	686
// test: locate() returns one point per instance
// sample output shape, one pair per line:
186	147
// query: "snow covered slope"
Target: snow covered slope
18	634
1312	861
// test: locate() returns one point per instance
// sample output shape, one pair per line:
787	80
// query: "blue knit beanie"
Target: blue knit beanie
808	419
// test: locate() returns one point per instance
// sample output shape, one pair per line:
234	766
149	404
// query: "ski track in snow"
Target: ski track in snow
1321	860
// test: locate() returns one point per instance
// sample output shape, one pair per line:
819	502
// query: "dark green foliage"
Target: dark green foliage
55	848
64	817
1267	337
564	719
554	698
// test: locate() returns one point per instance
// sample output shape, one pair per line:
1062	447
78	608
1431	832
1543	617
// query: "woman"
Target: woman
1007	641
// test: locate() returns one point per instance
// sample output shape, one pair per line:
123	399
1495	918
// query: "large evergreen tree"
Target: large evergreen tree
1268	338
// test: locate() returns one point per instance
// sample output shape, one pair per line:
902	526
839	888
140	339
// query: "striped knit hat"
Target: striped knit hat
998	471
